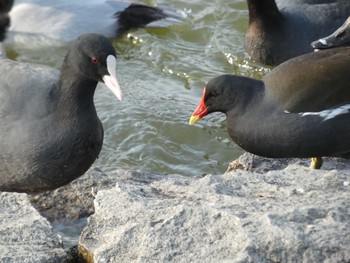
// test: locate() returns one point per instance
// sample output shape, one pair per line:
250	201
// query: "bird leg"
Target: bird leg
316	162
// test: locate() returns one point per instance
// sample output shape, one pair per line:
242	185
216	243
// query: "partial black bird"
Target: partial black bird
282	29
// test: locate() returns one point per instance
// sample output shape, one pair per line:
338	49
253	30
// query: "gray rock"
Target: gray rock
25	236
290	215
76	200
258	164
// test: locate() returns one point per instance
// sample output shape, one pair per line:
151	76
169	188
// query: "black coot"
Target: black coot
50	132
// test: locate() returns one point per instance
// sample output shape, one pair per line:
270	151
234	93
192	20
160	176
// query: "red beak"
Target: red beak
200	111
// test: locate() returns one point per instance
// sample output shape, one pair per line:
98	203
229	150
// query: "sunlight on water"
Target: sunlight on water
162	73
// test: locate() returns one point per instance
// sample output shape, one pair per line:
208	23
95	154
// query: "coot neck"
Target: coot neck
264	11
74	93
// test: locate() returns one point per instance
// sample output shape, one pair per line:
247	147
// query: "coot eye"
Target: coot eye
95	61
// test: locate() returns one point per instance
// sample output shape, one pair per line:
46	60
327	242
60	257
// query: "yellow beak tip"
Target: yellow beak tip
193	120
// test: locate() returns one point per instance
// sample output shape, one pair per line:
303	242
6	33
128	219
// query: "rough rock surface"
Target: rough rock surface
290	215
75	200
25	236
258	164
278	211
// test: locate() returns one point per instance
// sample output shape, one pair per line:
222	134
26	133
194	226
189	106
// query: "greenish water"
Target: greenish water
162	73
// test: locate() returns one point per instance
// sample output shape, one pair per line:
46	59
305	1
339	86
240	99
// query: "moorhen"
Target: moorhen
291	111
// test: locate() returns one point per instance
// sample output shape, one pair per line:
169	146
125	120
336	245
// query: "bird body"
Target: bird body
311	82
280	30
51	133
66	20
273	133
63	21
